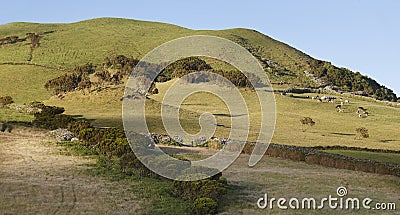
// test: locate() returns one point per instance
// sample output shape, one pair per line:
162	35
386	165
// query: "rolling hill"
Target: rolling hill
64	46
28	61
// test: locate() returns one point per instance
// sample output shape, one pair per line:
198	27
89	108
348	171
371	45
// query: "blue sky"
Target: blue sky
360	35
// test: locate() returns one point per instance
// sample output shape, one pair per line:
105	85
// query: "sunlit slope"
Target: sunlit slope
332	128
90	41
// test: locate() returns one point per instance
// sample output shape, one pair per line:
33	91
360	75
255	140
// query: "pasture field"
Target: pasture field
25	83
291	179
377	156
9	115
332	128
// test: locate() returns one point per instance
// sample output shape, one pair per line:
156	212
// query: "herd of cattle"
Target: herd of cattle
361	111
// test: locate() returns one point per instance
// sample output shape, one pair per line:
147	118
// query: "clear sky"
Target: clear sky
360	35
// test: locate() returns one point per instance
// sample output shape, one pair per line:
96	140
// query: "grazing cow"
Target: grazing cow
362	112
362	109
347	101
339	108
330	99
315	97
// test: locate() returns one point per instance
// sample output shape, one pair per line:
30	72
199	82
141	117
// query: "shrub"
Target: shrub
78	79
206	188
6	100
120	62
51	117
362	133
131	165
203	206
307	121
77	126
94	136
114	147
34	38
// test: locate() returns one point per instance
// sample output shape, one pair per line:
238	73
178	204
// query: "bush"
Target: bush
50	110
206	188
94	136
307	121
203	206
362	133
51	117
120	62
77	126
71	81
114	147
131	165
6	100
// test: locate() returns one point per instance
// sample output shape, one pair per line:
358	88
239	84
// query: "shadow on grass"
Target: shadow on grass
388	141
342	134
229	115
240	196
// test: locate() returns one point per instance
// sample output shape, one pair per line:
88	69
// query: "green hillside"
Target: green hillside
27	64
68	45
92	40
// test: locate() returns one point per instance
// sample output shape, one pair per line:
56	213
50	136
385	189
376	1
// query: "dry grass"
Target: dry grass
332	128
35	178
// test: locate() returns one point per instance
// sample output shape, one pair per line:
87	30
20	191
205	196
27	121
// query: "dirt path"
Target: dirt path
36	179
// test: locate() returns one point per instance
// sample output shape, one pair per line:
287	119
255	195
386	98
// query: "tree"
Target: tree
307	122
34	38
361	133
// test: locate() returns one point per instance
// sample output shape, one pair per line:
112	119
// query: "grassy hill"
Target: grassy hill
92	40
68	45
64	46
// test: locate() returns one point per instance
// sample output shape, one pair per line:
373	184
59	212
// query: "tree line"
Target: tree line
349	81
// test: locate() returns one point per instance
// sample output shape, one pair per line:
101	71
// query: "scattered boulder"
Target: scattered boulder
62	135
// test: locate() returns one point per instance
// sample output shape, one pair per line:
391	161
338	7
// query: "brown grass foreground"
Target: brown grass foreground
36	179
